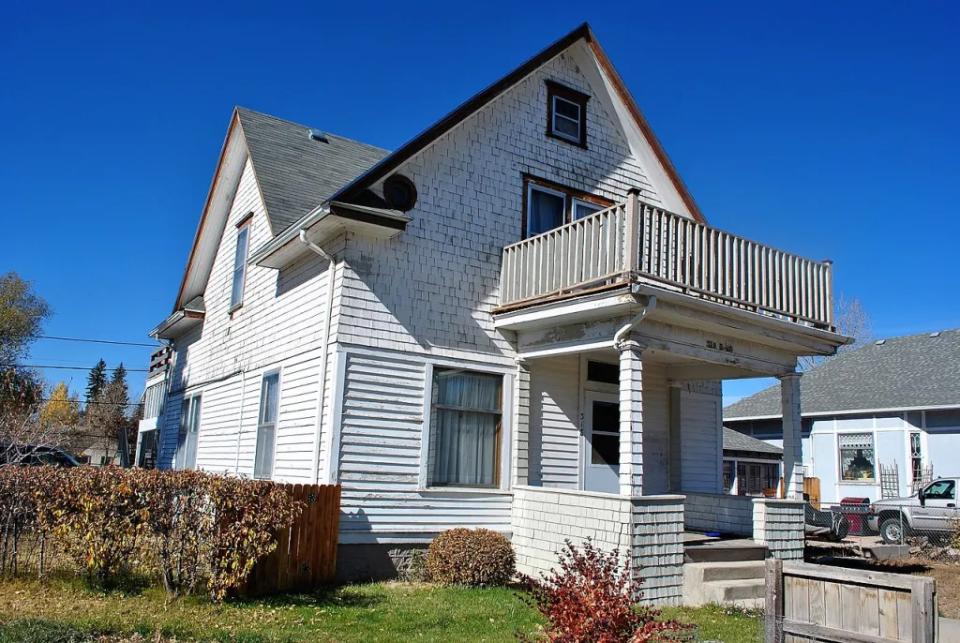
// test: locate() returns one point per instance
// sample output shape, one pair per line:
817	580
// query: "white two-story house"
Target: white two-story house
518	320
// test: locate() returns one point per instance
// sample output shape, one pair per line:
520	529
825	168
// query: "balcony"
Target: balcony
636	242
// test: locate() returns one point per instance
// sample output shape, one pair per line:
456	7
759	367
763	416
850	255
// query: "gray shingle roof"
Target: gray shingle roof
736	441
295	172
903	372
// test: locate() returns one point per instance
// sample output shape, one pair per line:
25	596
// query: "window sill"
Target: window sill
863	482
234	308
467	490
568	141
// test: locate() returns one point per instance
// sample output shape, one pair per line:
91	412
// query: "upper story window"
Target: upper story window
549	205
566	114
240	264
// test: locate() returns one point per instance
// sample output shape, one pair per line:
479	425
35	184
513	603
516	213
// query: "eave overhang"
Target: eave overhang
325	222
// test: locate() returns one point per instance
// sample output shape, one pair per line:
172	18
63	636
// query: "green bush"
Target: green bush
473	557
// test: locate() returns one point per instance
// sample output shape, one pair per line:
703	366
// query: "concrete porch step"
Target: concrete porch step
721	571
739	583
719	552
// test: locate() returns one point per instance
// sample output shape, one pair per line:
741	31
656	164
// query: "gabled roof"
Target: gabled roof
736	441
420	142
917	371
296	172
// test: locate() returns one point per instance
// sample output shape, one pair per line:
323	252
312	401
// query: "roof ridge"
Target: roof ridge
287	121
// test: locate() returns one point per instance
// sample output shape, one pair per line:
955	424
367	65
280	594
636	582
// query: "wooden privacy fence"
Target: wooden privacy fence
807	602
306	556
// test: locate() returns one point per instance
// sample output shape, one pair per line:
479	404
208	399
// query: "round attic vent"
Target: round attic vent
400	192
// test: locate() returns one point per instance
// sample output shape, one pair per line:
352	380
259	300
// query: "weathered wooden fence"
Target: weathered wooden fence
306	556
820	603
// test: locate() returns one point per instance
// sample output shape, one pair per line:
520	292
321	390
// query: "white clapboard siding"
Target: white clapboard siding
701	442
379	464
656	429
279	327
555	421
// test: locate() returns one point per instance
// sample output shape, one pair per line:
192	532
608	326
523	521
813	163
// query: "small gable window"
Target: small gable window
239	265
566	114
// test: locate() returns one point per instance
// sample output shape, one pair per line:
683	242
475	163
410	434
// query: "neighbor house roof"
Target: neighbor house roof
736	441
918	371
295	171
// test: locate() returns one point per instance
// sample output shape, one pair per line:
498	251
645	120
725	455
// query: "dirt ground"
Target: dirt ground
947	576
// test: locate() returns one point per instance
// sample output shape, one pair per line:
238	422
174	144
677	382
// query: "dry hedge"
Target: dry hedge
187	527
473	557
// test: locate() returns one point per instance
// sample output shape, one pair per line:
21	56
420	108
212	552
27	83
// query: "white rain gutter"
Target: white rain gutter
325	343
650	306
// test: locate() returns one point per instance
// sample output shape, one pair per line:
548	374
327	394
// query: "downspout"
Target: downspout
650	306
325	343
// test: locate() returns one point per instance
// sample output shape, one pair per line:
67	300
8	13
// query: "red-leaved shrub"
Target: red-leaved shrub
592	597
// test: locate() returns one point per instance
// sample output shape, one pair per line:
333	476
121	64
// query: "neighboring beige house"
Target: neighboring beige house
518	320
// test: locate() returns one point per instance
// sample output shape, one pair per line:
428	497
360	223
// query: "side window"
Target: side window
239	267
186	456
940	490
267	426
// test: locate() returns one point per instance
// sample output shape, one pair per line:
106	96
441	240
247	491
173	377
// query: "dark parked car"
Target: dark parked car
35	455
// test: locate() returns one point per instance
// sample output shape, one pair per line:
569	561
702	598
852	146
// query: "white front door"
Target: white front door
601	443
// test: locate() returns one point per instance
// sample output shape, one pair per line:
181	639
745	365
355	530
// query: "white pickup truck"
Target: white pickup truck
931	512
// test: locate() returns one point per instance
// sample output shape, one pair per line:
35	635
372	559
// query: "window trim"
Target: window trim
188	400
502	461
276	425
243	227
839	451
556	90
570	195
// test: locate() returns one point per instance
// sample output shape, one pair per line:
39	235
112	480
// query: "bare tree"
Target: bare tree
853	321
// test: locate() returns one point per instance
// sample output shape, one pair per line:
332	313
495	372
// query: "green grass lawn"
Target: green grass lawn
65	611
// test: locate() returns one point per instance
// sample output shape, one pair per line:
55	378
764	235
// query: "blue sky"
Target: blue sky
828	129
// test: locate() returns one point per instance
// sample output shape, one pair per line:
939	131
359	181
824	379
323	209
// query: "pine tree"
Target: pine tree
119	375
97	380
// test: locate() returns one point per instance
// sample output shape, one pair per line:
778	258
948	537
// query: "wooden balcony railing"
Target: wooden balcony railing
637	241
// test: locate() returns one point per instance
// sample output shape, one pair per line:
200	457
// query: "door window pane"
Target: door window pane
267	426
940	490
465	428
544	211
605	433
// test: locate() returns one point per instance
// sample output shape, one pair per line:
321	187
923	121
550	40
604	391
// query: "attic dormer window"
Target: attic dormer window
566	114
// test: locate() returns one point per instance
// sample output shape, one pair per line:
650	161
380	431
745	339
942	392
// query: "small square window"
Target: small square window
566	114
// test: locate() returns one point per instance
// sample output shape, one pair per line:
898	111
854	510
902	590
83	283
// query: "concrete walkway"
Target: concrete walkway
949	630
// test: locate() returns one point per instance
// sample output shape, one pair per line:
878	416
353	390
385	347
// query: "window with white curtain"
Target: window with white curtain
267	426
239	267
466	417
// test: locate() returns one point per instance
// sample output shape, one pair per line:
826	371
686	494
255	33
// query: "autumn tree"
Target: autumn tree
22	313
60	409
107	418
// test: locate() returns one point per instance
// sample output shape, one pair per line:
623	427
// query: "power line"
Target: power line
75	368
97	341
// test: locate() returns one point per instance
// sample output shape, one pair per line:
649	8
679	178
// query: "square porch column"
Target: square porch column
792	436
631	418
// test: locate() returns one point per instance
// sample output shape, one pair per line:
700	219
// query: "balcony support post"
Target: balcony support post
632	232
631	417
792	436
